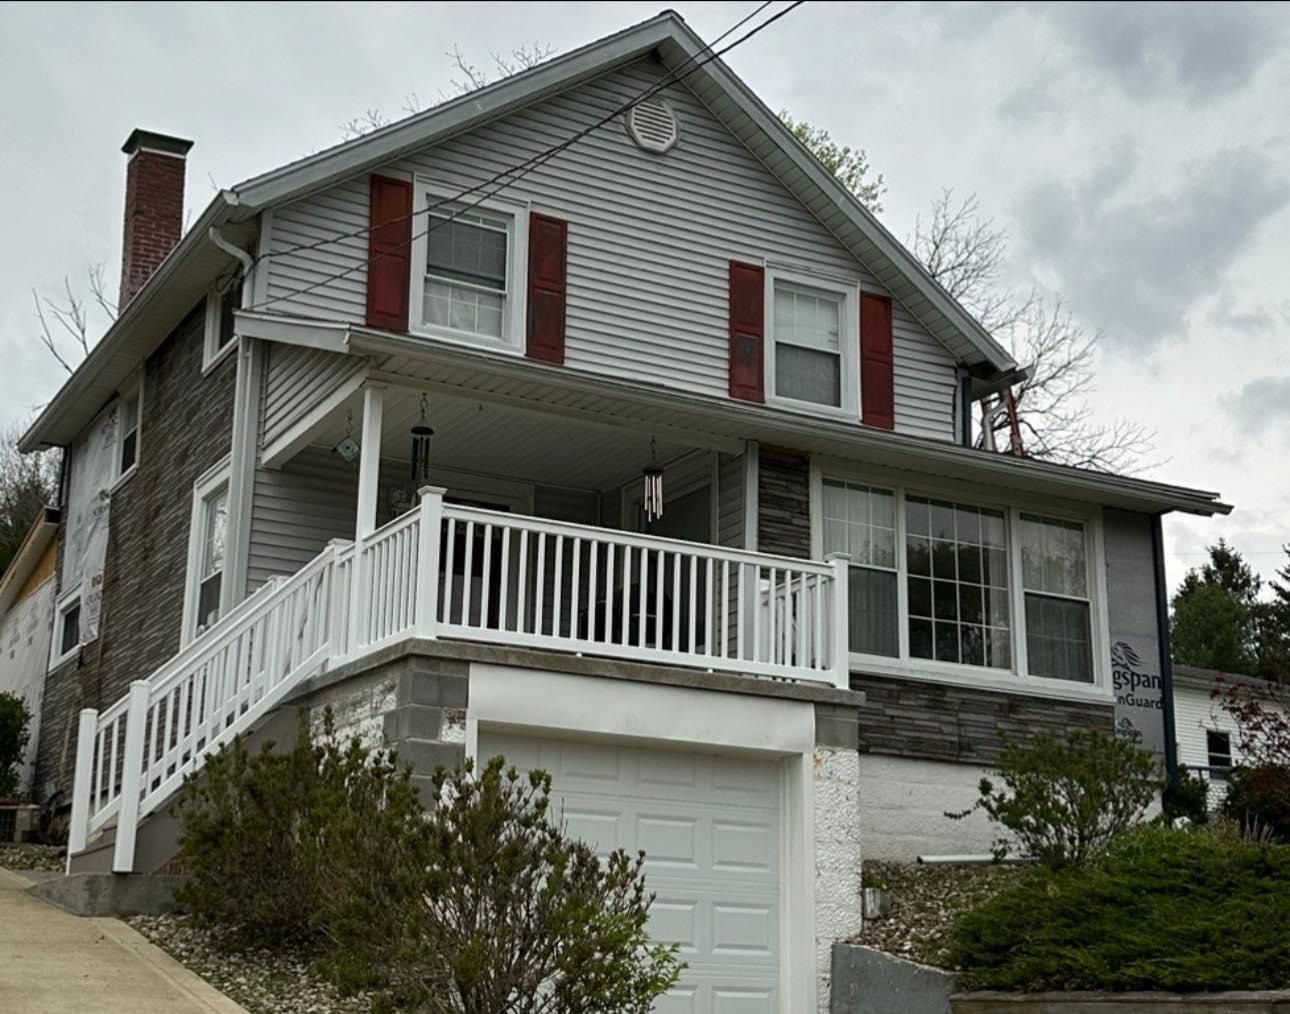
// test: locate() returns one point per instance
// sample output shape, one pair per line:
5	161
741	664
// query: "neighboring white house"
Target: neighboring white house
588	419
26	619
1207	735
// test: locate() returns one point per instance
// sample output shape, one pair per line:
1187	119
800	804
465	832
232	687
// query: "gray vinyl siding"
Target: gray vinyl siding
650	239
296	510
296	379
730	500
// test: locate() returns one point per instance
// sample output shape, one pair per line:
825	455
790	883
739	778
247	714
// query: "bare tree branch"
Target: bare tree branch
966	252
70	318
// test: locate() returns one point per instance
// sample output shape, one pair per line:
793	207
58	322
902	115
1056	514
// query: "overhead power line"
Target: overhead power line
508	177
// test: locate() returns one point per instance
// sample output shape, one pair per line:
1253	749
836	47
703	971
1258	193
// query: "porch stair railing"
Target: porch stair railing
444	570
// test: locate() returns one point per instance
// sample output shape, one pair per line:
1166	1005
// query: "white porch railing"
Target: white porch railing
461	572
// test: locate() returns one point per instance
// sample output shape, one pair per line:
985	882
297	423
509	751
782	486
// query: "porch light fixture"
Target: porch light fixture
421	434
652	500
348	448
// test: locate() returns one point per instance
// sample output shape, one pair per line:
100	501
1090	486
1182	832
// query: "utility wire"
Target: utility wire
524	168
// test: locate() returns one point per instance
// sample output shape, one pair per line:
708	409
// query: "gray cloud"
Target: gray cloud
1134	267
1208	50
1259	404
1226	314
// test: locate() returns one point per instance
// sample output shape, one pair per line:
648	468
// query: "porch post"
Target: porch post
428	563
369	460
840	649
369	474
127	821
78	833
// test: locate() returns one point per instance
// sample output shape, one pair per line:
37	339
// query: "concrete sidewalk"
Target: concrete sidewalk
53	962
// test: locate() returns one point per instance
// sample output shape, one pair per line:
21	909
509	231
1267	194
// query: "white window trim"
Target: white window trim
212	354
207	484
513	338
848	338
122	396
65	604
1017	679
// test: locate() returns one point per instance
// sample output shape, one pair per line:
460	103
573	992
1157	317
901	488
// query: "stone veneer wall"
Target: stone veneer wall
186	428
783	502
939	721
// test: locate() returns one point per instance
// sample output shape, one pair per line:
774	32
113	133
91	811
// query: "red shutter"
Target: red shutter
548	253
877	377
747	331
389	253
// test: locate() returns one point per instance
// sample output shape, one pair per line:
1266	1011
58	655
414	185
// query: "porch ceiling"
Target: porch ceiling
488	438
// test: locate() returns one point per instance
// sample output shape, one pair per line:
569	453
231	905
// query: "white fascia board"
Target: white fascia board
116	355
806	434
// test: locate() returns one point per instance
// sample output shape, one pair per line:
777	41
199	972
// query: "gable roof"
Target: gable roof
37	542
686	55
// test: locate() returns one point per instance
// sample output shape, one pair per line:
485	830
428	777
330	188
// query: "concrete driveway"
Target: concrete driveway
53	962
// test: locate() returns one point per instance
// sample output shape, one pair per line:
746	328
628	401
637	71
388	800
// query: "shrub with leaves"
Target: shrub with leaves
1258	799
1061	800
14	718
1186	797
1167	909
503	911
479	904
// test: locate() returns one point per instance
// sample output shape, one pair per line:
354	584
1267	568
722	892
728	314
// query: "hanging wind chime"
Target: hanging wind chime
421	434
652	500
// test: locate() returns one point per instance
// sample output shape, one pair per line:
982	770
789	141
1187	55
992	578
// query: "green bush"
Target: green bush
1186	796
480	903
1064	799
1258	799
1160	908
14	717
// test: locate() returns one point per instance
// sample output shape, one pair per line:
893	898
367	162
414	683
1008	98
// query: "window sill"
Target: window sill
209	362
61	660
122	479
813	410
980	679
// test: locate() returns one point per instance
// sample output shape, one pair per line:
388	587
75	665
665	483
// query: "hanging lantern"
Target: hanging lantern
421	434
652	500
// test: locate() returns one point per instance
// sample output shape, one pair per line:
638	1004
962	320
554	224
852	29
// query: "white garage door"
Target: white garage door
709	826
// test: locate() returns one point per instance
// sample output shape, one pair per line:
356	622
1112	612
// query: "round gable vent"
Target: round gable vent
652	125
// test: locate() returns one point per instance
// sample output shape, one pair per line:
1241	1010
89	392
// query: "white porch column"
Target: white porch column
369	460
840	652
78	832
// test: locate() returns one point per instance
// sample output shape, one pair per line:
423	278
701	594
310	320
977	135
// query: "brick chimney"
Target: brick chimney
154	205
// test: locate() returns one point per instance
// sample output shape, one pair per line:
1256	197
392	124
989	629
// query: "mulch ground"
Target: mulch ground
48	858
262	981
924	903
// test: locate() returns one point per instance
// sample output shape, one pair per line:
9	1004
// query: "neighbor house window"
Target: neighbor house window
128	420
466	272
1219	745
207	553
1054	573
957	559
861	521
810	355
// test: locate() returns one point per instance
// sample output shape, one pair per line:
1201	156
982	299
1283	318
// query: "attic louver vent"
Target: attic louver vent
653	126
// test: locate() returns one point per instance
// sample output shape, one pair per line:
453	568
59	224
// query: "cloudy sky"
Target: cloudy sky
1138	156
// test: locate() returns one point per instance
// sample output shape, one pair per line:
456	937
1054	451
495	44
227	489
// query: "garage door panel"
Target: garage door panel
709	826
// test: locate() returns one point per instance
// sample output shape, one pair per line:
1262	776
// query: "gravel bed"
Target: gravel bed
262	981
924	902
50	858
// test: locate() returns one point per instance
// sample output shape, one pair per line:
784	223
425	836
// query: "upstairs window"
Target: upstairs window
128	445
207	553
811	351
67	628
466	274
223	299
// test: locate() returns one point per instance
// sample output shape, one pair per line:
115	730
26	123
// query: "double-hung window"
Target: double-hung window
207	553
1218	746
128	426
67	628
222	300
811	360
1054	573
467	270
946	588
861	521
